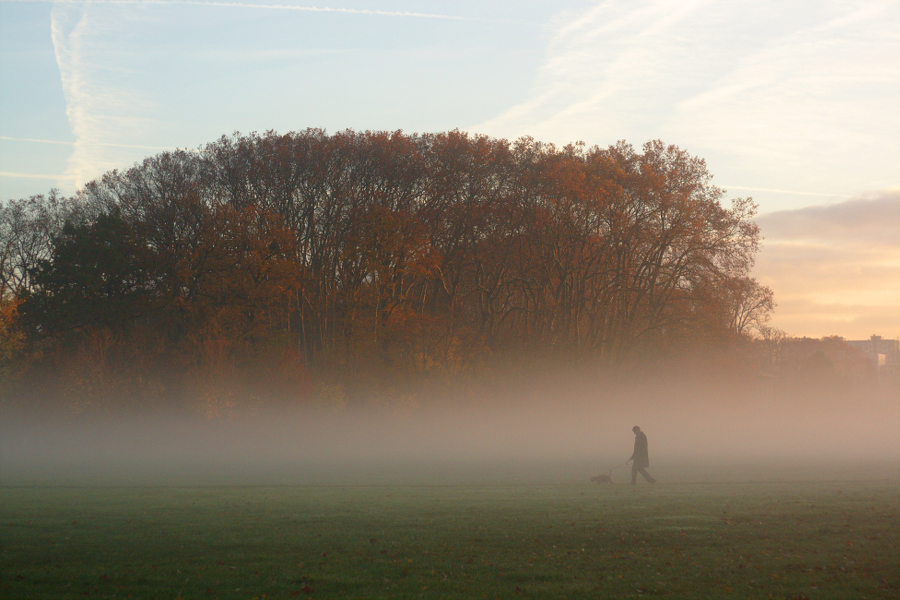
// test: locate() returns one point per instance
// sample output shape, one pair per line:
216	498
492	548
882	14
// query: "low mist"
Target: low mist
549	429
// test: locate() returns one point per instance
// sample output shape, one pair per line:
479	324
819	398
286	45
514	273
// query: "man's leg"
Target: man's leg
646	476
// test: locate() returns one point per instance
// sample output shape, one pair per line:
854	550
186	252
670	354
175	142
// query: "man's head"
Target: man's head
636	429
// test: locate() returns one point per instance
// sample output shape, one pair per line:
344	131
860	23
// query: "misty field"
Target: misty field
821	536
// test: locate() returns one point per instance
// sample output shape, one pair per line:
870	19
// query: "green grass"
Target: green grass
825	539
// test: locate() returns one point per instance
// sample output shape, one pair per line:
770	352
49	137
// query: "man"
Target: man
641	457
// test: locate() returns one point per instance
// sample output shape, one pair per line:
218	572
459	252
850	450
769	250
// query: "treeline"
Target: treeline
262	261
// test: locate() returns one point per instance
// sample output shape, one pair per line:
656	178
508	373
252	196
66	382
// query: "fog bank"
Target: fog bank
569	427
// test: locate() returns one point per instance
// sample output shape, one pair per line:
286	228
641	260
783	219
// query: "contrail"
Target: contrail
756	189
60	143
351	11
32	140
29	175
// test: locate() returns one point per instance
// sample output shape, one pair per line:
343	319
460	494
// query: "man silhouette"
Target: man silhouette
641	457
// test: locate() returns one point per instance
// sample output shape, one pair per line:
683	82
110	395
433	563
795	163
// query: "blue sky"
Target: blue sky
795	103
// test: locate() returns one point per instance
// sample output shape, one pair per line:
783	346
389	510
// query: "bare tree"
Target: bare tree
773	340
27	230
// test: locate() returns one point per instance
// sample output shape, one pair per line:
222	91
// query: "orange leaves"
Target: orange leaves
12	336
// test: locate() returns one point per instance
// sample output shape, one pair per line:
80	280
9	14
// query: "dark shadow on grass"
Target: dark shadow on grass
532	577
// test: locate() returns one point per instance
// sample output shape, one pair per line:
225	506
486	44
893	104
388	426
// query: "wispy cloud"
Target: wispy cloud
789	97
67	180
599	66
835	269
101	115
807	103
109	103
872	218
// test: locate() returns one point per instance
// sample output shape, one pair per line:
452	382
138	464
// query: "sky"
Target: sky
794	103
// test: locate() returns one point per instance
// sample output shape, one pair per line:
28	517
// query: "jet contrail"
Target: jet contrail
28	175
756	189
351	11
61	143
32	140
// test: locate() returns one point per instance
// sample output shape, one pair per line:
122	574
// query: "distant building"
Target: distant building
883	354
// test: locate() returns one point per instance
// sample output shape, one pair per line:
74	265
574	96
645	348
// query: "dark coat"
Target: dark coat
641	456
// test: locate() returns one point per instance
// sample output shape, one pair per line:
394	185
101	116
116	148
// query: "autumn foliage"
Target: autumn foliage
375	259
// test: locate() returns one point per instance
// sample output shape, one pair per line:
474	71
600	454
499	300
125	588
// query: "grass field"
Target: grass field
813	537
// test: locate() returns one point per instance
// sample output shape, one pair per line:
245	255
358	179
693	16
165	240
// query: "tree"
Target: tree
749	304
27	230
393	252
98	275
773	340
12	336
666	234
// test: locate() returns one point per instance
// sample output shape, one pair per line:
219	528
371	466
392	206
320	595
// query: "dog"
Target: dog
602	479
